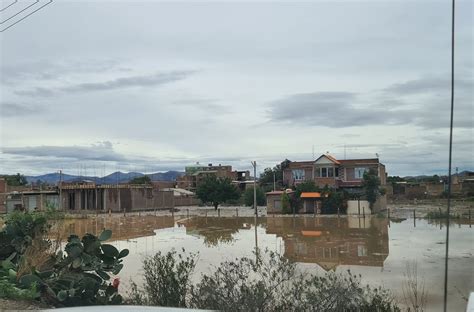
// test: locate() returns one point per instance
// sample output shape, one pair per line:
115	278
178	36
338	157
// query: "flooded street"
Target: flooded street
376	248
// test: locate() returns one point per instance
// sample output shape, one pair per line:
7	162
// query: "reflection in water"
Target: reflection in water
330	242
361	245
218	230
123	228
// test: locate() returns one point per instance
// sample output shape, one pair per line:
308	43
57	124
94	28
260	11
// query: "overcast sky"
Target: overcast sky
99	86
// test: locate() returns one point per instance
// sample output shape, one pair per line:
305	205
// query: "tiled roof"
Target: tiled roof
310	195
360	161
298	164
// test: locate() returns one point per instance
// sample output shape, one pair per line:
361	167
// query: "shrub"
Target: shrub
167	280
265	282
248	197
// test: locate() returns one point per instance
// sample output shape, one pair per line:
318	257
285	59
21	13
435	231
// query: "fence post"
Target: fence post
236	212
219	212
188	212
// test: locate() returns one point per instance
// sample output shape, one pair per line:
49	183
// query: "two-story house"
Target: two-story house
335	173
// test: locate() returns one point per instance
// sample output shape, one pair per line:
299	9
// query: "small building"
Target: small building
312	202
194	175
274	204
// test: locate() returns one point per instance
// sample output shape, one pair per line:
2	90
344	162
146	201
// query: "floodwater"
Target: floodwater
376	248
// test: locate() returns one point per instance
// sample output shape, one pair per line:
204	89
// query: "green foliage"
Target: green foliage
275	173
76	277
140	180
216	190
335	200
371	185
15	179
19	231
8	290
394	179
79	276
286	204
248	197
437	214
306	186
167	280
265	282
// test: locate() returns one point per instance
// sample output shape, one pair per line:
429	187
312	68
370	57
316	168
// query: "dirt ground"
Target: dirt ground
19	305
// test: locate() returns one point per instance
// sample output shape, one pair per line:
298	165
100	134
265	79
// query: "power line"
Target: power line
19	12
450	160
8	6
50	1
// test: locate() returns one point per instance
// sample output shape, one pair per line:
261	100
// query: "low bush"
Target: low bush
265	282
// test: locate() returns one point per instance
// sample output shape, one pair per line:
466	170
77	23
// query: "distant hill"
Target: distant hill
116	177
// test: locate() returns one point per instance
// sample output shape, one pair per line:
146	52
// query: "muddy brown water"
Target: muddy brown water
376	248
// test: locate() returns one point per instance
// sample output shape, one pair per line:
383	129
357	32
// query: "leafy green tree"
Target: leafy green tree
15	179
334	201
140	180
306	186
269	174
216	190
285	203
248	197
371	186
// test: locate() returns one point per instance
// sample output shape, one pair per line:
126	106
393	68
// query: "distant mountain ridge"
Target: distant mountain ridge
113	178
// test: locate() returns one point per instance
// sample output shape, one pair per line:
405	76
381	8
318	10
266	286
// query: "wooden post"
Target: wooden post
219	212
358	205
363	211
470	224
414	218
188	212
236	212
206	213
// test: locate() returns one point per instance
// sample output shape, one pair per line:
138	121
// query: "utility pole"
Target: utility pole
274	181
60	190
254	164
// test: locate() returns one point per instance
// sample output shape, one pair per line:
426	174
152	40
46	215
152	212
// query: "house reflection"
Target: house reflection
330	242
218	230
123	228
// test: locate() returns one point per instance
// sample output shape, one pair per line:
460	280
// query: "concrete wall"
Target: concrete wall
116	199
379	205
353	207
186	201
274	204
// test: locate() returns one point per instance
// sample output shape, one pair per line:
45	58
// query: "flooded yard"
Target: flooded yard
376	248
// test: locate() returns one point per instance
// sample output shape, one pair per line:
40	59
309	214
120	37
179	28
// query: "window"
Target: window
326	172
298	174
359	172
361	251
330	172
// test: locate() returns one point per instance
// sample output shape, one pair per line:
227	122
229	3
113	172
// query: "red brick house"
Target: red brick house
335	173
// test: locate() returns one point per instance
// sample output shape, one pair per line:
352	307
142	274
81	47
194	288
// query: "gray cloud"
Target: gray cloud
102	151
15	109
332	109
44	70
208	105
155	79
430	85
